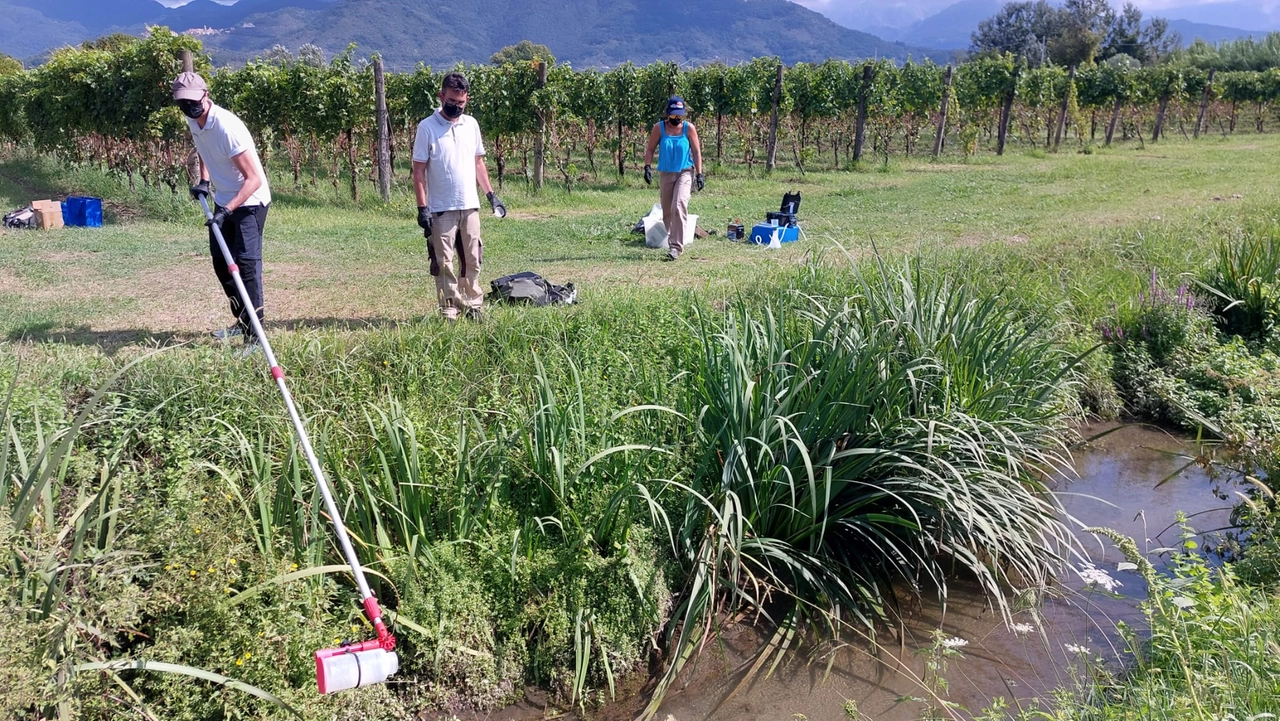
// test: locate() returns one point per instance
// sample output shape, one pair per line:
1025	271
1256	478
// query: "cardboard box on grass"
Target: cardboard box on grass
48	214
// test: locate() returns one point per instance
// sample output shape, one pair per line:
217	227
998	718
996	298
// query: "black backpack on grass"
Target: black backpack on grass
21	218
529	288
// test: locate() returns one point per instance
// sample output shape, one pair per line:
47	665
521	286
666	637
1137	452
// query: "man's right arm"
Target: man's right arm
420	183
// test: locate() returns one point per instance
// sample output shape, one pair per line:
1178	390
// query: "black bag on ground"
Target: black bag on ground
21	218
532	289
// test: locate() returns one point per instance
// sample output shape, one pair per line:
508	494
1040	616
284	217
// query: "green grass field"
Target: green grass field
1072	219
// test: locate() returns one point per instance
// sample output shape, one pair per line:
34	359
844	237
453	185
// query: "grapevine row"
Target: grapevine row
112	107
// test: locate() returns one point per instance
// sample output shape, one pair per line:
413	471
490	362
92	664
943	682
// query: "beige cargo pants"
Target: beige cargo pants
456	233
674	190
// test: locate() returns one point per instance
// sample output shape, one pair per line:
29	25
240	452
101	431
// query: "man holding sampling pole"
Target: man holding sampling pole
229	157
448	161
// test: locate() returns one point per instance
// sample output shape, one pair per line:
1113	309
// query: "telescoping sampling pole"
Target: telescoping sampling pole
349	665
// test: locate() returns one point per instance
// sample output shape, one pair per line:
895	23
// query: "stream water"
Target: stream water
1119	486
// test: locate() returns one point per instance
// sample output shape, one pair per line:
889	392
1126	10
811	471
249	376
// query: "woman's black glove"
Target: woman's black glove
702	183
648	175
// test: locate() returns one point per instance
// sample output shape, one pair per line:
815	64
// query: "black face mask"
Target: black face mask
674	121
191	108
452	111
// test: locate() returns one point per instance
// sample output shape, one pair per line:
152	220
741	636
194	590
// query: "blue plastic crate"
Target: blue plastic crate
82	211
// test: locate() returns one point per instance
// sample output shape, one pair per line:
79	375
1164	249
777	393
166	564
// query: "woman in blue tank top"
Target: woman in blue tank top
679	169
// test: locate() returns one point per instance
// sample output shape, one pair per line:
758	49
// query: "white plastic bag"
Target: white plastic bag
655	231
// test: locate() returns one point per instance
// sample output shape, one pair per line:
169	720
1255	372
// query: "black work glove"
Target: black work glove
495	202
200	190
648	175
424	221
702	182
219	217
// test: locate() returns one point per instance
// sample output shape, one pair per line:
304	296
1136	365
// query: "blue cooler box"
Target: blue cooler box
81	211
762	234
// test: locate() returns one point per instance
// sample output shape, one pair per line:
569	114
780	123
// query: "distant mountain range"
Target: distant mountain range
599	33
443	32
950	27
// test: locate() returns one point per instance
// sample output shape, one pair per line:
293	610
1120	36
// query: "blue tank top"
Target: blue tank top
673	151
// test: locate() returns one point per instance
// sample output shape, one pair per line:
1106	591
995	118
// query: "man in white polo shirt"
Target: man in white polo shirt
229	157
448	161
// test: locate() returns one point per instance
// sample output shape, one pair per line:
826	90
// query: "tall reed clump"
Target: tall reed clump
899	436
1245	283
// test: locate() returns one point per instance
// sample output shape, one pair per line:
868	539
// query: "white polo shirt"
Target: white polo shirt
223	137
449	150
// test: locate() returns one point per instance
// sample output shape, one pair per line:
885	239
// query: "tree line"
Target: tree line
110	104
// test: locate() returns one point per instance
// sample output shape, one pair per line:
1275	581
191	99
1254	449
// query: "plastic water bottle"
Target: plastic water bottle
352	670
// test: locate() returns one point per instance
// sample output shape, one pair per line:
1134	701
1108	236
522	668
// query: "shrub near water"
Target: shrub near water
1171	365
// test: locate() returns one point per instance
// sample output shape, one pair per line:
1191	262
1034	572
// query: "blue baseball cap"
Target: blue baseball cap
675	106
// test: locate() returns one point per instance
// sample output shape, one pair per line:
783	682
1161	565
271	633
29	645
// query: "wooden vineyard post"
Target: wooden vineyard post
1204	102
1006	112
384	142
540	140
941	135
1062	112
772	159
193	158
860	131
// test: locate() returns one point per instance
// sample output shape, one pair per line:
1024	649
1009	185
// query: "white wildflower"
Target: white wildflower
1094	576
954	642
1076	648
1022	629
1183	602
